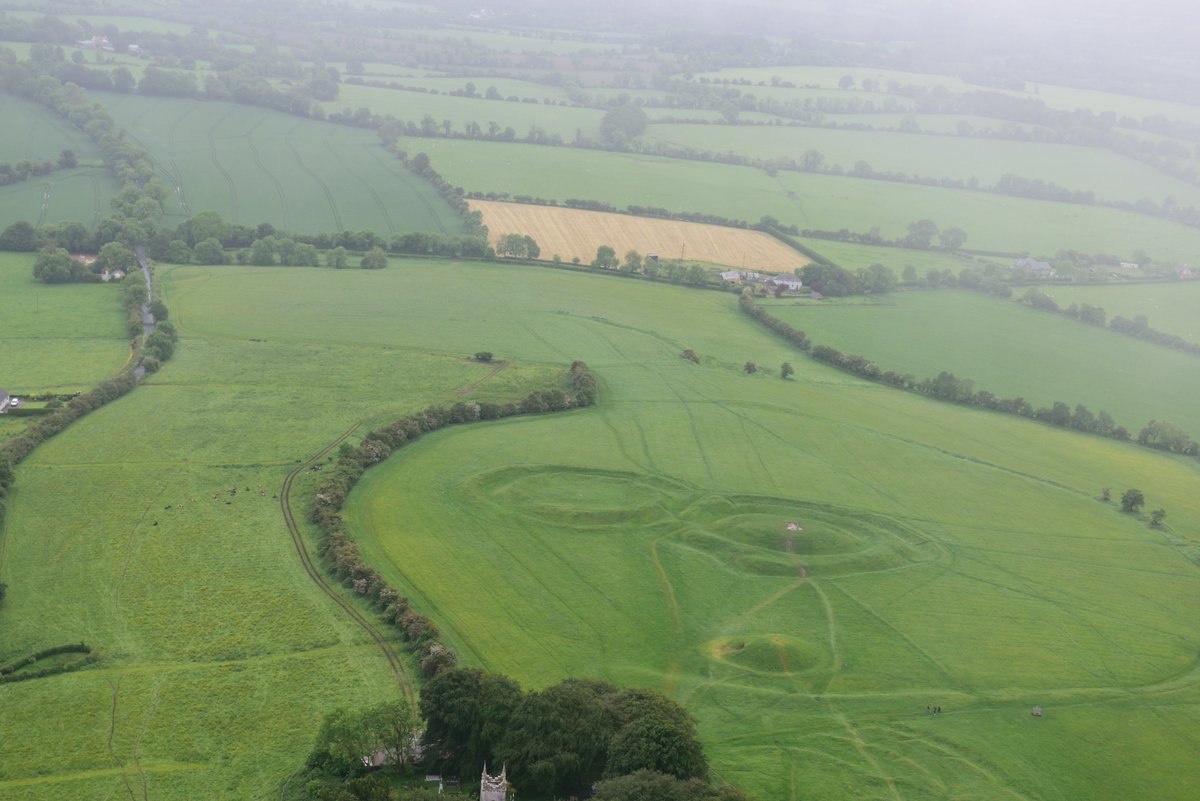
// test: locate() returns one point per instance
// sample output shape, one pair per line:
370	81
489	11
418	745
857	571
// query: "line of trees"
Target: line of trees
946	386
920	236
1138	327
23	170
341	554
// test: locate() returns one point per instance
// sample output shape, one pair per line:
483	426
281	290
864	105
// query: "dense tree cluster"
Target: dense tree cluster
834	281
559	741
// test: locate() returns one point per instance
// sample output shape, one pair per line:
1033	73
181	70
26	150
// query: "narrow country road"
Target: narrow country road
147	317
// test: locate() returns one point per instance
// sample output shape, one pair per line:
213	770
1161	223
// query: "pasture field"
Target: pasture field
31	131
219	654
1010	350
1060	97
413	106
83	194
124	23
992	222
254	165
511	42
1170	307
950	556
937	123
1111	176
572	233
507	87
946	555
57	338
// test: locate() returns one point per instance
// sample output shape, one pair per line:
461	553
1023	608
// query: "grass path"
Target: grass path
285	505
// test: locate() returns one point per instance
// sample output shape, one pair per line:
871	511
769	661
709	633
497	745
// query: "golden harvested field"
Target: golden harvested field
575	232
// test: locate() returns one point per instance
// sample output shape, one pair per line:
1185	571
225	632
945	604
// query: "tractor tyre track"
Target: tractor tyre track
337	217
212	149
405	179
394	661
387	218
287	216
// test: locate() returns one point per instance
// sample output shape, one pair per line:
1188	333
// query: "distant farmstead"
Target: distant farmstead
1041	269
96	43
789	282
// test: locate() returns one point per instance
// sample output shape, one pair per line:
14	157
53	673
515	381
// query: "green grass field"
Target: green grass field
413	106
31	131
82	194
1012	351
949	556
1170	307
1060	97
1111	176
219	654
507	87
57	338
252	165
992	222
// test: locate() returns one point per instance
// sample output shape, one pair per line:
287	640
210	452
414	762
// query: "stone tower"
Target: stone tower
493	788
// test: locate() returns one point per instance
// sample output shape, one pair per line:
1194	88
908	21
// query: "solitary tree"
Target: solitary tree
785	370
1132	501
750	368
1156	517
1106	494
952	238
375	259
606	258
921	233
337	258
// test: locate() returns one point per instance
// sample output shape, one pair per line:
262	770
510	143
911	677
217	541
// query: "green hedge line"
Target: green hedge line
341	554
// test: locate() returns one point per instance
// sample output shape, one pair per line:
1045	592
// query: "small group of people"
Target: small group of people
933	710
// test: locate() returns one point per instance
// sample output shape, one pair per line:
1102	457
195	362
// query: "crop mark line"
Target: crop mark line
861	746
287	217
366	184
337	217
212	149
129	547
112	729
695	429
469	388
953	680
408	181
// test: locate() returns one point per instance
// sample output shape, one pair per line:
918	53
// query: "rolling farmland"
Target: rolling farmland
1111	176
807	561
252	165
575	233
1006	348
219	654
992	222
